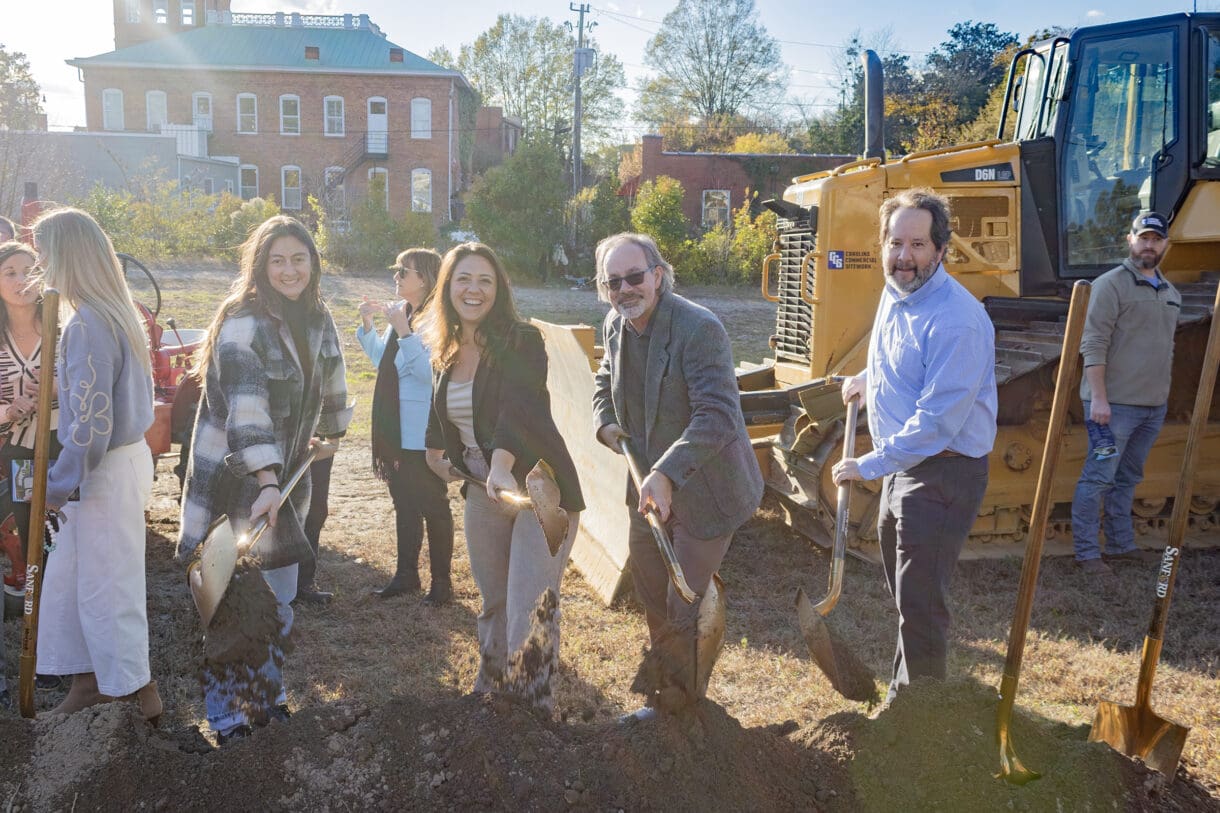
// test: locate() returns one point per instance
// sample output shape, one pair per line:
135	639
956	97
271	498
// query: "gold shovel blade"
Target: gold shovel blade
544	498
209	576
1138	731
709	633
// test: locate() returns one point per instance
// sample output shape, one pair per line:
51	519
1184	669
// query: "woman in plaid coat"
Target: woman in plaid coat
273	384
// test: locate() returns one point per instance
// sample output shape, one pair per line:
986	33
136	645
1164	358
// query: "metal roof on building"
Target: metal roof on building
270	47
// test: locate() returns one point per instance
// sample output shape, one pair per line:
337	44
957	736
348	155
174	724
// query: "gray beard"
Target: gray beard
633	311
922	275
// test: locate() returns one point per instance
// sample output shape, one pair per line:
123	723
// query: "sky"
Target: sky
811	32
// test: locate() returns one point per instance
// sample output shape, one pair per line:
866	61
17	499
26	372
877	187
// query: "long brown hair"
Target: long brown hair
442	327
7	250
252	288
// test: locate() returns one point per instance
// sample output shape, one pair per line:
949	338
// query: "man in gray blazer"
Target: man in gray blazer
666	383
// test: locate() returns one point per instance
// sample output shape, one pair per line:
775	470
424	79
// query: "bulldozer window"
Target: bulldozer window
1121	116
1211	81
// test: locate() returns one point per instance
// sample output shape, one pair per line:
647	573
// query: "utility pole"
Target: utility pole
582	60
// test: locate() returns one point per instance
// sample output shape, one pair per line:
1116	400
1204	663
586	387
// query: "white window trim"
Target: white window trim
342	131
240	188
286	97
421	132
421	171
228	184
728	199
160	12
337	194
132	8
195	97
294	206
193	18
385	174
238	128
121	122
149	95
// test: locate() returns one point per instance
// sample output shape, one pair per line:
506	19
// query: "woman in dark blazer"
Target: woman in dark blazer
491	419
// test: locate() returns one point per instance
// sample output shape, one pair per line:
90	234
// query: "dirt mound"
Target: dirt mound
932	749
935	748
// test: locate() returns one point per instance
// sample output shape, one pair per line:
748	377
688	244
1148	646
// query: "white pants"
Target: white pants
93	607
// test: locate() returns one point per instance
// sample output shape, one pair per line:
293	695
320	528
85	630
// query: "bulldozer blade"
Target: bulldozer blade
544	497
847	674
1138	731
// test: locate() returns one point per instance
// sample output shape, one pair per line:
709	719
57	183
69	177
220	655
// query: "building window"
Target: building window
201	111
156	107
421	118
247	113
133	10
332	108
290	115
160	12
290	187
379	177
334	195
188	12
421	190
112	109
209	186
715	208
228	186
312	52
248	178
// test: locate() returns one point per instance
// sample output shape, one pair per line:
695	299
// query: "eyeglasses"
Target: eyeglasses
401	272
633	279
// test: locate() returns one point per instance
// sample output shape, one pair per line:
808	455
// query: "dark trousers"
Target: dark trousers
925	516
319	509
700	558
420	497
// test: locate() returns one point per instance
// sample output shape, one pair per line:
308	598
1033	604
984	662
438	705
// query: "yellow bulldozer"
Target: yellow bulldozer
1097	126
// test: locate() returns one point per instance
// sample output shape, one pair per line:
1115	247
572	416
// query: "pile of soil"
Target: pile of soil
932	749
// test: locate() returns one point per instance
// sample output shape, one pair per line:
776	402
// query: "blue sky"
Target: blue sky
811	32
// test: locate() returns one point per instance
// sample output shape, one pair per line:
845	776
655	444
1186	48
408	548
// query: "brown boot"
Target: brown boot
81	695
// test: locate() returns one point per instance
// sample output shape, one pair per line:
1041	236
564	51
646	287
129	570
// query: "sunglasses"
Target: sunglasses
401	272
633	279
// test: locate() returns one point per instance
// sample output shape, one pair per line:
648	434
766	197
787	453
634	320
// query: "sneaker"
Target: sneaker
240	732
641	715
1094	567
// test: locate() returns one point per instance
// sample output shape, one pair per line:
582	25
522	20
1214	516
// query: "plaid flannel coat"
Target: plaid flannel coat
255	412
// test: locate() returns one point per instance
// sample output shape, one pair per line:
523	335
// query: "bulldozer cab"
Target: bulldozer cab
1131	112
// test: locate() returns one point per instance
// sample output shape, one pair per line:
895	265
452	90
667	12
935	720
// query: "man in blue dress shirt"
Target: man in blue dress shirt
931	397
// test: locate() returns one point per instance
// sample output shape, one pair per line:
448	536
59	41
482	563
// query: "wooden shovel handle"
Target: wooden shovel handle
672	565
38	501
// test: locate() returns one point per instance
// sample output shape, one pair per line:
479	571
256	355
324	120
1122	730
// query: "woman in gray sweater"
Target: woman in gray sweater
93	608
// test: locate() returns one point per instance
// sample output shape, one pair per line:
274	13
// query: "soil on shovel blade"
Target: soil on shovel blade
932	749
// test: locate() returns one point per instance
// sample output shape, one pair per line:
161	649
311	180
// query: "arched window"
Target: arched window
421	190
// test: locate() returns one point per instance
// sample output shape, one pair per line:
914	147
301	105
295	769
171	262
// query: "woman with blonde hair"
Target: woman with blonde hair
491	419
273	387
93	622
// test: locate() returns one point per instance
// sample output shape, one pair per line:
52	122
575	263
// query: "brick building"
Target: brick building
715	183
307	104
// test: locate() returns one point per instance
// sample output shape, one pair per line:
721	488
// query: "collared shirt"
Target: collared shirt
1130	329
930	377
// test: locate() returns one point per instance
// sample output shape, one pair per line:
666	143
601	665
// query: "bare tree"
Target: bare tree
715	60
19	93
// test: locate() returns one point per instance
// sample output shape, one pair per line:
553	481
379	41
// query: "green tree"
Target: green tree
714	58
658	213
964	68
518	208
761	143
19	94
524	64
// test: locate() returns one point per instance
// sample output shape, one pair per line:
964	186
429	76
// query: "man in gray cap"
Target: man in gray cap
1128	352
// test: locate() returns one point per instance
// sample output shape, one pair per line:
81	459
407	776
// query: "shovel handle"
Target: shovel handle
247	542
842	516
38	505
672	565
514	497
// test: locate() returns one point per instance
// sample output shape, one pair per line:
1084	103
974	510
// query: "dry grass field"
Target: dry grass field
1083	645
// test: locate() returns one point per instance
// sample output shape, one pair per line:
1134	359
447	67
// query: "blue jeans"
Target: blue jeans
1112	482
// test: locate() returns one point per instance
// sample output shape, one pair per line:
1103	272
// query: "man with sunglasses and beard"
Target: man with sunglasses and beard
666	383
930	389
1127	348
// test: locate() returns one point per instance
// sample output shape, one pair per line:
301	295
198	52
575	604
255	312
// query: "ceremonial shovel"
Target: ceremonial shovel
38	504
1136	730
541	494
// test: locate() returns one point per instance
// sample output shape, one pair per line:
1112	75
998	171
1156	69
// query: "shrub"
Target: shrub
658	213
372	238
